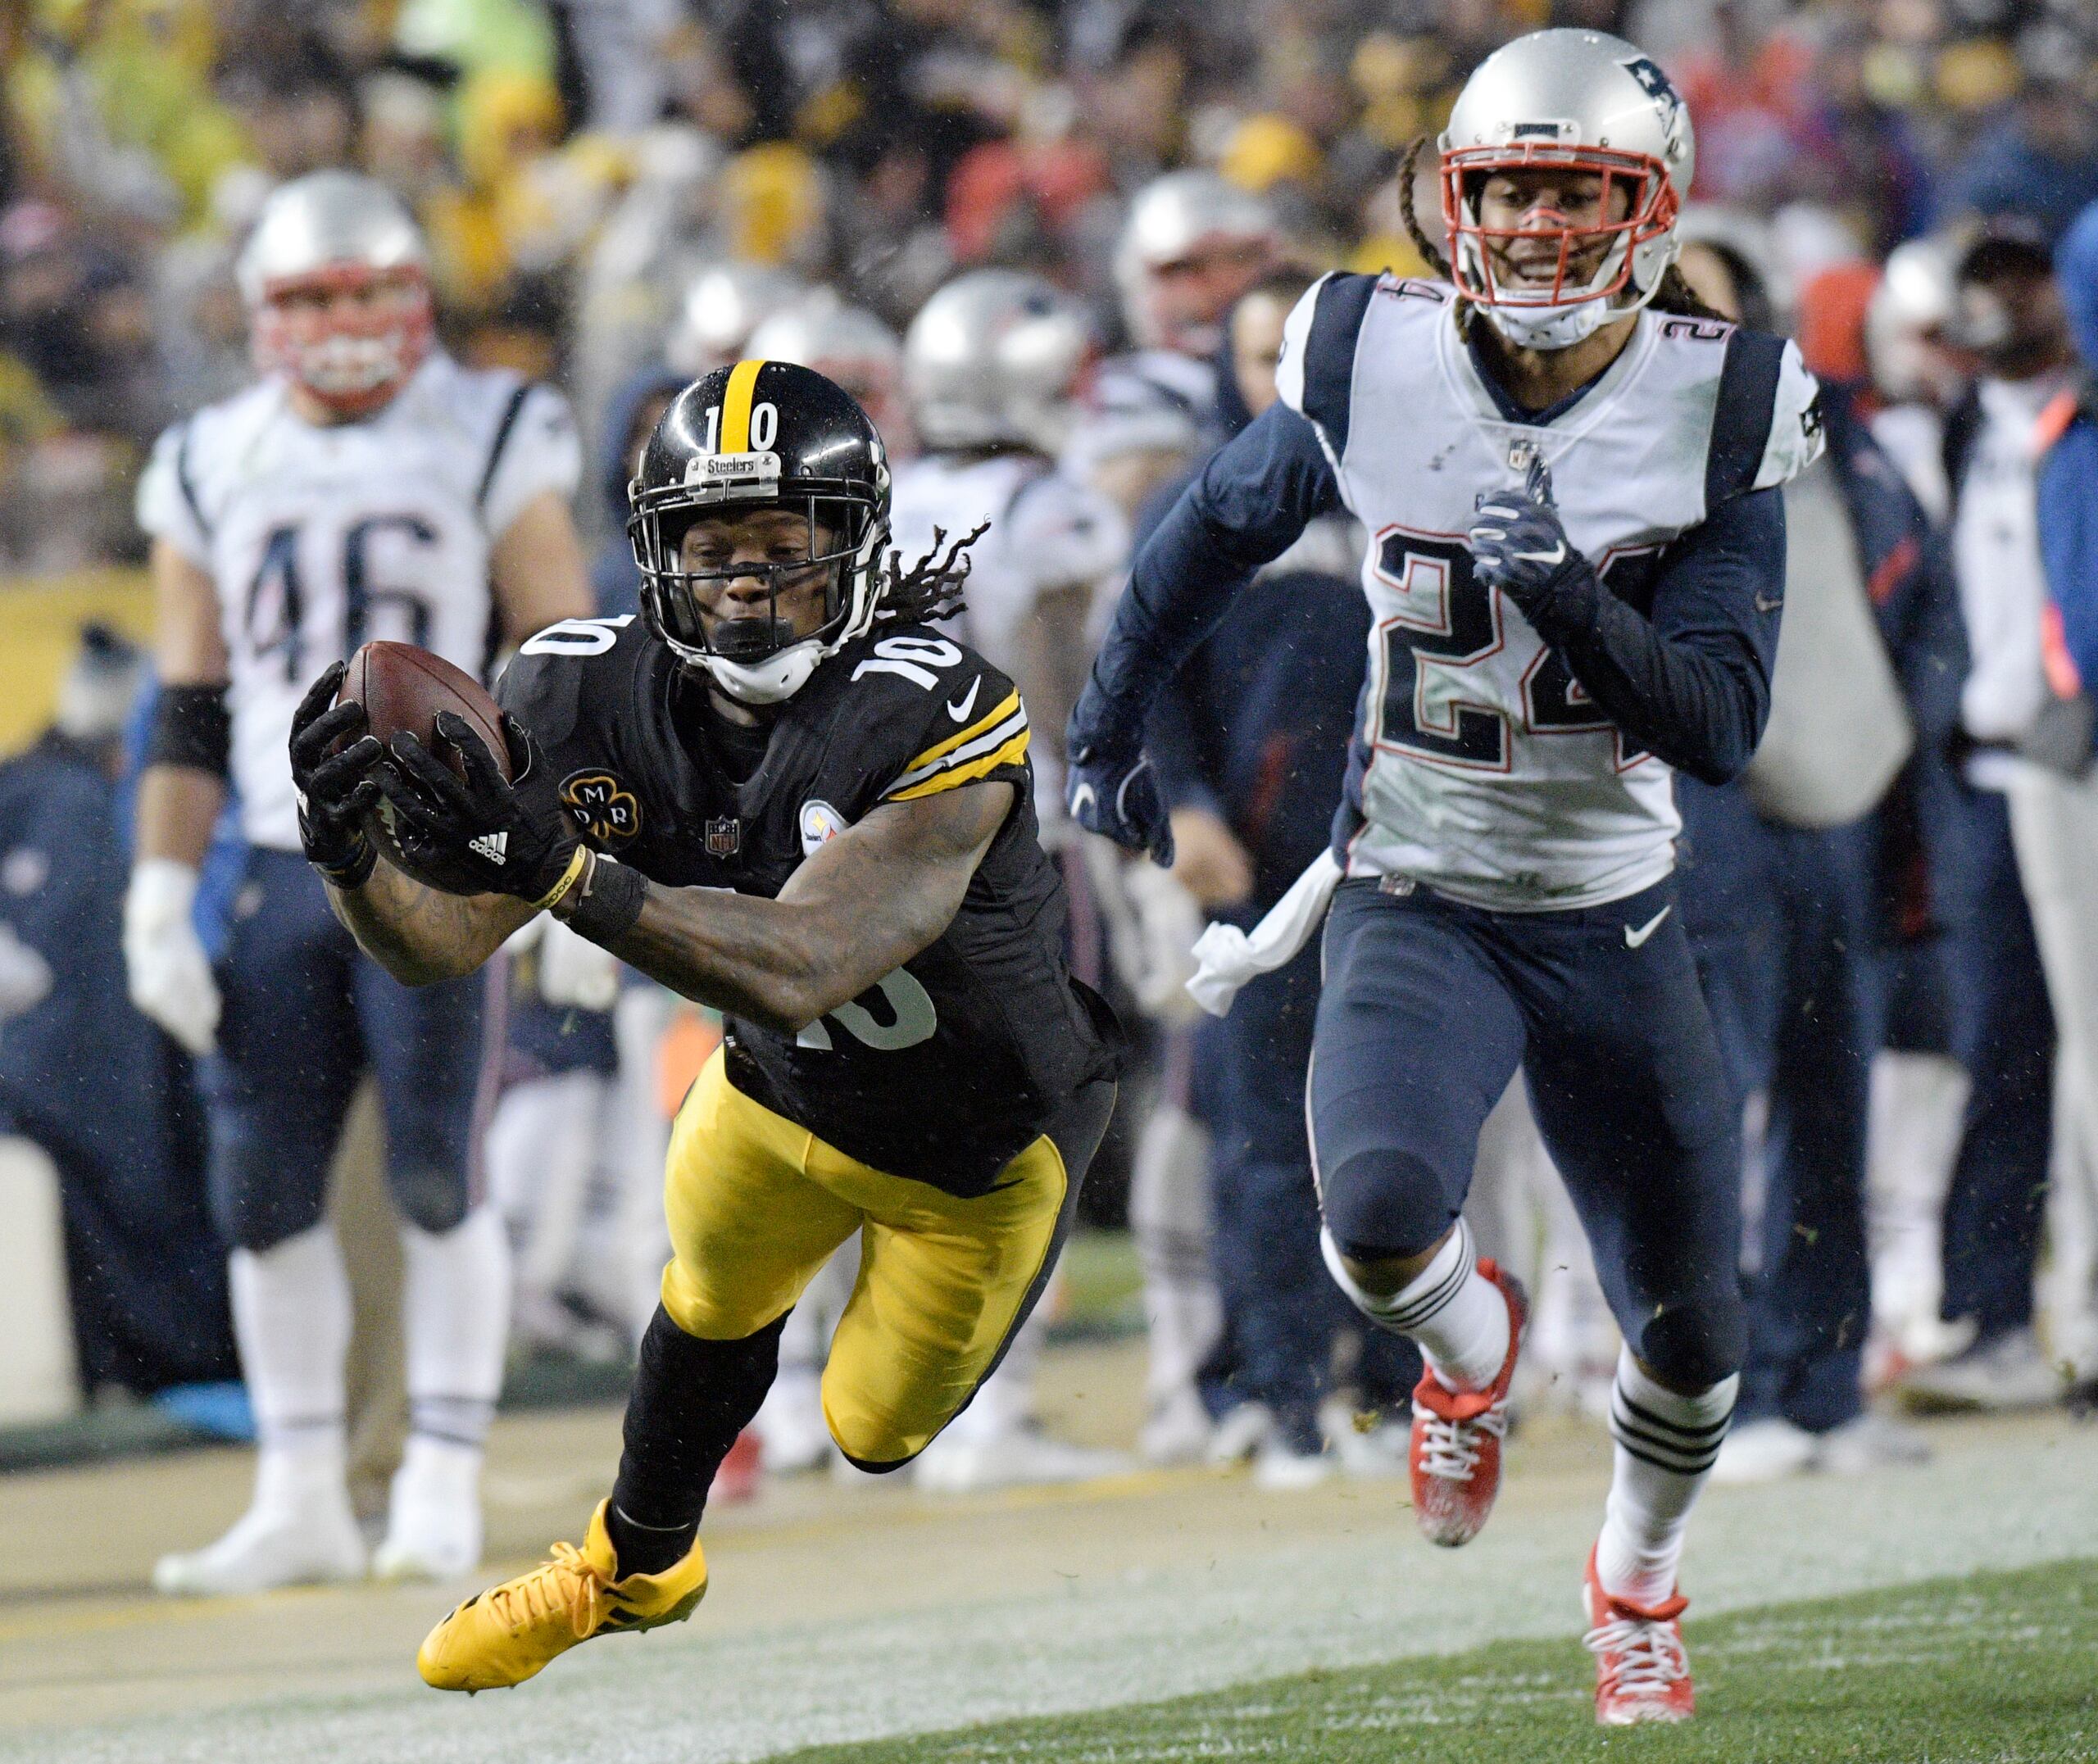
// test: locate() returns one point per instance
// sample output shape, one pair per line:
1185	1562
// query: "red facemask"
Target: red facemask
1651	212
352	360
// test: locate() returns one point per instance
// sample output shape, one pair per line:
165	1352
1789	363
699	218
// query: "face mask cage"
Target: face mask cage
1649	214
350	362
744	631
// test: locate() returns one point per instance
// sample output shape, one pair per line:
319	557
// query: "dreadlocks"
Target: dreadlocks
931	588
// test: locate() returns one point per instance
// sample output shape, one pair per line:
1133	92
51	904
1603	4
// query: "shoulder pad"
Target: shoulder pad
1315	374
1767	423
563	674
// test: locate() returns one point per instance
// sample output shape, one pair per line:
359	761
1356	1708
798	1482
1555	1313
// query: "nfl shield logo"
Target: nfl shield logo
725	836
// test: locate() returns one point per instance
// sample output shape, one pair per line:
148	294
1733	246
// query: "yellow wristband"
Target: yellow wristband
576	866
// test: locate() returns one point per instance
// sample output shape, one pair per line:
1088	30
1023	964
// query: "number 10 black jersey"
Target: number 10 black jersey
951	1065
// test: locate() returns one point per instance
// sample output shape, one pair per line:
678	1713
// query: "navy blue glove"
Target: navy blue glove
1120	798
1519	546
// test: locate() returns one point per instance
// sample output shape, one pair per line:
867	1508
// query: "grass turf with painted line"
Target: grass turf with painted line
2000	1667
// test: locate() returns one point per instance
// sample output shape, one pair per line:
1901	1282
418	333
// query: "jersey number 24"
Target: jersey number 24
1454	621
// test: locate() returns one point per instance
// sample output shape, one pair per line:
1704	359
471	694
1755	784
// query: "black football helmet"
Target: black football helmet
762	434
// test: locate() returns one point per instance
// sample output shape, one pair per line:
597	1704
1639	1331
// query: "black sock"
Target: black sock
690	1400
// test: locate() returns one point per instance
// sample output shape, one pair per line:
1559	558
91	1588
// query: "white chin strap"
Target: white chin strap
770	682
1555	326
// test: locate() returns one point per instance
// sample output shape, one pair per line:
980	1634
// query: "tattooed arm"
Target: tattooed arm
859	909
420	935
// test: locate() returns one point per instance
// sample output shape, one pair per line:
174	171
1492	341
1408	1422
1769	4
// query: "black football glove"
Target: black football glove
336	790
1519	545
1120	798
487	834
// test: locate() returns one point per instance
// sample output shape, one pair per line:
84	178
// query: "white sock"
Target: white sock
456	1317
1457	1315
291	1318
1666	1445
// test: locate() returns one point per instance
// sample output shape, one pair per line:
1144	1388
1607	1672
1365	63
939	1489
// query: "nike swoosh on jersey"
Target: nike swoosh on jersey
960	712
1768	603
1633	939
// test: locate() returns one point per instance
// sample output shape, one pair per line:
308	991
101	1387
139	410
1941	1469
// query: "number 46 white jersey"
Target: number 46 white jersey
319	539
1479	766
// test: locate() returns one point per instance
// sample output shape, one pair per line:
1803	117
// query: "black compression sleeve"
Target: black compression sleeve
191	727
1692	683
604	905
690	1400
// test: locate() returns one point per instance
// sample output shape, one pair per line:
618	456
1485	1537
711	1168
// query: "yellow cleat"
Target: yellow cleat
503	1636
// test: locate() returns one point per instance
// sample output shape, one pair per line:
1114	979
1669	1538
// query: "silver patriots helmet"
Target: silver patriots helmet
1176	221
1583	100
328	233
720	309
992	359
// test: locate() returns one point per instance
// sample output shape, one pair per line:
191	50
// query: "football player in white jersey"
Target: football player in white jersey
990	364
1568	473
990	367
367	485
1192	244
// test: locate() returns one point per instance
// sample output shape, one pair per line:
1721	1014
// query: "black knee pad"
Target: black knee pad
1692	1347
256	1205
430	1199
1383	1205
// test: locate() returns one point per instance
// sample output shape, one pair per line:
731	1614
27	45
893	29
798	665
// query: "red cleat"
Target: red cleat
1454	1454
1641	1672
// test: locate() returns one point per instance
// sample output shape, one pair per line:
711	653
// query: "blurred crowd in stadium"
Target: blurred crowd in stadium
617	194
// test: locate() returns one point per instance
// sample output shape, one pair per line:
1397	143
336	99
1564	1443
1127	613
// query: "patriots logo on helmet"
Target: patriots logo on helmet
1648	73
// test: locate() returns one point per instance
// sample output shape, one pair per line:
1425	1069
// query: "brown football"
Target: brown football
403	687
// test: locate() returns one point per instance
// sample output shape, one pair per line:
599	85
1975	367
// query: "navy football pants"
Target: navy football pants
1427	1010
307	1012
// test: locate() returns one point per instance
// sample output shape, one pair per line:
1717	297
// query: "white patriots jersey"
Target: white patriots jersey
1148	401
319	539
1479	767
1047	532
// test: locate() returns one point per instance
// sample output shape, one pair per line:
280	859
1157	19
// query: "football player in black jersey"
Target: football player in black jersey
779	793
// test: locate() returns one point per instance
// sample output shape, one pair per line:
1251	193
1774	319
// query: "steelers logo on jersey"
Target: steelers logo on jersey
604	808
821	824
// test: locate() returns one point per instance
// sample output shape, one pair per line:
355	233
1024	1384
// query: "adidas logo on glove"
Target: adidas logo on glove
492	846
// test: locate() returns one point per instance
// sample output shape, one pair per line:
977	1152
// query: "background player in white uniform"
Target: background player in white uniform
1575	567
990	364
366	487
1192	244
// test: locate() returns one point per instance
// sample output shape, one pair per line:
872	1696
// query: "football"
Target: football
403	688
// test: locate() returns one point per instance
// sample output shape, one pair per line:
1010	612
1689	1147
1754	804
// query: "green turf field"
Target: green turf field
1995	1667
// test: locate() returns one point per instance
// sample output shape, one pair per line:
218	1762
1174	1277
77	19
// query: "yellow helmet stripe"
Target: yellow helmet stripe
736	407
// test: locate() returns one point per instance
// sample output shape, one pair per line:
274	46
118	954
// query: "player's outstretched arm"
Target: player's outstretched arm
864	905
1243	510
419	934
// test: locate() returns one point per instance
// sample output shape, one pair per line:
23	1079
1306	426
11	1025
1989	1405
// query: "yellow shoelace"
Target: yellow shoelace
566	1585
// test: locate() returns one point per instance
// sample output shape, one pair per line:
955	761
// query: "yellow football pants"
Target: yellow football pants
757	1205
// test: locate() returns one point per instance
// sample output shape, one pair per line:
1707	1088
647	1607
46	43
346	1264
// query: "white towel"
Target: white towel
1226	958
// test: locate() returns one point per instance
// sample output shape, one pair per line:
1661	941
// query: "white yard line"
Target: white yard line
1993	1499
